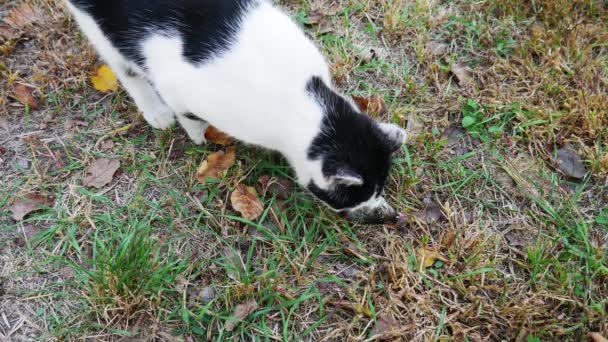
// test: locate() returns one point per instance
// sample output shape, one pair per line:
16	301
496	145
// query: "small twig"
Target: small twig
113	133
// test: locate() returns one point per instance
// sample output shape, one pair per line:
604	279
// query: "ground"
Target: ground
502	188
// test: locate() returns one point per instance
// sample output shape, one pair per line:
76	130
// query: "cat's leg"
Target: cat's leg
194	126
155	111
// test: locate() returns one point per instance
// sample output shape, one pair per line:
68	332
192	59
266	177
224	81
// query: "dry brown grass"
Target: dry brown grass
521	255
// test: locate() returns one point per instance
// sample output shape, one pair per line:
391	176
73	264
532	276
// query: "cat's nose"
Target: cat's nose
381	214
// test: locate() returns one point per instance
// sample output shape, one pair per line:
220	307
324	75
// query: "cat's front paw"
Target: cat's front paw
161	120
197	138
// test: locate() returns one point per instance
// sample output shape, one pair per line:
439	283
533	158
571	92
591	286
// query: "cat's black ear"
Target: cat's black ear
345	176
393	136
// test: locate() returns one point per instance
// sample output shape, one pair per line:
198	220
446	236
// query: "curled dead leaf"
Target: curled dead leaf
25	95
431	213
386	325
245	200
29	203
279	187
215	165
570	163
240	313
217	137
373	106
101	172
104	80
427	257
463	74
361	102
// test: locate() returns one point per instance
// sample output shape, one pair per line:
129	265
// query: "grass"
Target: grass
521	248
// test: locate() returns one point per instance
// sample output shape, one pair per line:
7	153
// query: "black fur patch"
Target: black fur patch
208	27
351	140
192	117
130	72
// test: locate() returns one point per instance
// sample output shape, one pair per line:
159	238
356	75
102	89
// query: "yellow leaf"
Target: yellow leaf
104	80
427	257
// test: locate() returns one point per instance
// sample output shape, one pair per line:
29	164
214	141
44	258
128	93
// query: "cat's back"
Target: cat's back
206	27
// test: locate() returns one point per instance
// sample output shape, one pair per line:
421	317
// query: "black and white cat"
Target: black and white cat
245	67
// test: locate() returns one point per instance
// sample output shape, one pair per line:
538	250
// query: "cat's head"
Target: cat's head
353	152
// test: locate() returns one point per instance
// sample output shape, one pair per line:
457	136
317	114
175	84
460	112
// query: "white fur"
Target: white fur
256	91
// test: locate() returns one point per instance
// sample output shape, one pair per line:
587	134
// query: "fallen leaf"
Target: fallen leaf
314	17
325	27
24	94
373	106
244	199
240	313
206	295
436	48
22	16
596	337
30	231
29	203
431	213
104	79
427	257
569	162
361	103
236	267
106	145
66	273
101	172
215	164
386	325
279	187
463	74
217	137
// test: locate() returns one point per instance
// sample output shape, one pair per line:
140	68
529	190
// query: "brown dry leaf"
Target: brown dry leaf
463	73
431	213
240	313
373	106
275	186
245	200
376	106
361	102
569	162
215	165
386	325
104	79
101	172
29	203
106	145
596	337
427	257
24	94
314	17
217	137
22	16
